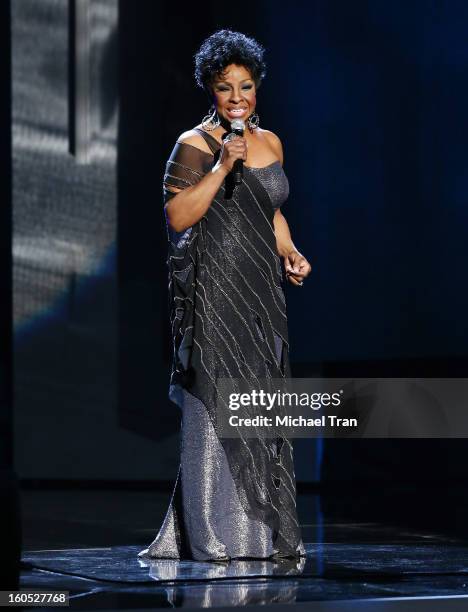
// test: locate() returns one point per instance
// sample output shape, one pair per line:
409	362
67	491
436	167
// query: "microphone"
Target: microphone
237	127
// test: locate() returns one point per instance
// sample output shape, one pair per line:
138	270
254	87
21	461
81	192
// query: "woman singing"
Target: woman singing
233	497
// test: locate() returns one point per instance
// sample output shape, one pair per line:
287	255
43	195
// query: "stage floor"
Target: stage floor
87	542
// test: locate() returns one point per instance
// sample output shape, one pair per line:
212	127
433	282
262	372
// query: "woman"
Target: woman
235	497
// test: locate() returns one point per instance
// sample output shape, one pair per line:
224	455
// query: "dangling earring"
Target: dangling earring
211	121
253	122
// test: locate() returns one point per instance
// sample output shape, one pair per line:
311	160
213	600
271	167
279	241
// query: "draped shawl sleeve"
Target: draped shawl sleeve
185	167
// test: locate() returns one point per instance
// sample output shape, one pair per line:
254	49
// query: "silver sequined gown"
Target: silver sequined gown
206	519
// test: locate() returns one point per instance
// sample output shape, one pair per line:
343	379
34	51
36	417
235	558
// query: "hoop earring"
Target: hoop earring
211	121
253	121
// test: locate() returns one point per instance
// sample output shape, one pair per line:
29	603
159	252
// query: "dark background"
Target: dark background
369	99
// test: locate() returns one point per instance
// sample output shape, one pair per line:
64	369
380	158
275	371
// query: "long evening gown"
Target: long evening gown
233	498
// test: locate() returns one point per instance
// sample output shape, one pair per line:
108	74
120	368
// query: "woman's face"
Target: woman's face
234	93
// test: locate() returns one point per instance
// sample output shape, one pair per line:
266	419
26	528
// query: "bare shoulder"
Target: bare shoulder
271	136
193	138
275	143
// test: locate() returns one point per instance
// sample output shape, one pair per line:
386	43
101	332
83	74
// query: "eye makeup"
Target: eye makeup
226	88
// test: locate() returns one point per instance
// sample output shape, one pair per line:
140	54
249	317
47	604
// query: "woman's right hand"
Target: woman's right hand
232	149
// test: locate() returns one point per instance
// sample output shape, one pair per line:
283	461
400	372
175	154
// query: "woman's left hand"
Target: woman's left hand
297	268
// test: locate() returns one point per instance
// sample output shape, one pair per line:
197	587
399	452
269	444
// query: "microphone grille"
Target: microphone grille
237	124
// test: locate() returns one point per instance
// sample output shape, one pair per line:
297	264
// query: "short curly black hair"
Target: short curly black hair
226	47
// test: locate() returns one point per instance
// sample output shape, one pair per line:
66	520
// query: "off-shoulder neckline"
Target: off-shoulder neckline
277	161
187	144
